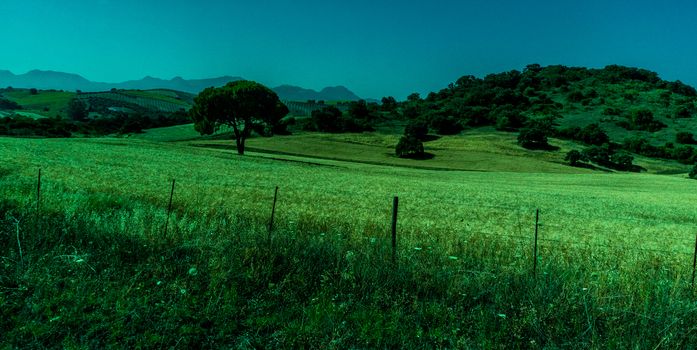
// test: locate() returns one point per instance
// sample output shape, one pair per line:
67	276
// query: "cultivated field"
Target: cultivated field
614	264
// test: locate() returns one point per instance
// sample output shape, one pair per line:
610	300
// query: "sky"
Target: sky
375	48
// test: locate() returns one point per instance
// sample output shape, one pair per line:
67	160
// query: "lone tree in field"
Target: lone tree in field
241	105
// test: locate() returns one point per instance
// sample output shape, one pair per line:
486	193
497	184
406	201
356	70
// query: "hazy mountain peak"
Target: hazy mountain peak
67	81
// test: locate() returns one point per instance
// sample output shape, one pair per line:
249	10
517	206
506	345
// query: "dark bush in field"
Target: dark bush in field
77	109
685	138
445	125
574	157
9	105
409	147
328	119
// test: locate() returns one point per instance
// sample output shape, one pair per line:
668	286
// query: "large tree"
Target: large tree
241	105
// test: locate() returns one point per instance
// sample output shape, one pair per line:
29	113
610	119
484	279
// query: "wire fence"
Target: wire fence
524	218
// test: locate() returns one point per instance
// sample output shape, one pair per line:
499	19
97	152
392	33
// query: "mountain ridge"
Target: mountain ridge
54	80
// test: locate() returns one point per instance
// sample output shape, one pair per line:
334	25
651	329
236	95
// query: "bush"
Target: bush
533	138
622	161
417	129
409	147
9	105
328	119
574	157
642	119
598	154
77	109
685	138
443	125
693	172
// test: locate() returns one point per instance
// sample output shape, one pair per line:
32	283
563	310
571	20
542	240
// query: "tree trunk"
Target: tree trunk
240	145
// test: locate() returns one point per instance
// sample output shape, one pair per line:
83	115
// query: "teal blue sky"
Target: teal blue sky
376	48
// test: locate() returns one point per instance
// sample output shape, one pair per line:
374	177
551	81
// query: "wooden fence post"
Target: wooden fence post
169	207
395	207
534	251
273	212
38	202
694	264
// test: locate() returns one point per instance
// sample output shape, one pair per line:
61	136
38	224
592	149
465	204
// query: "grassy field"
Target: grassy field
613	269
45	103
481	149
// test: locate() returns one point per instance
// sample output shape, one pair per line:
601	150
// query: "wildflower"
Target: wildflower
193	271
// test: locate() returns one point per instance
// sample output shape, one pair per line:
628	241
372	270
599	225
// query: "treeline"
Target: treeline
508	100
116	123
361	116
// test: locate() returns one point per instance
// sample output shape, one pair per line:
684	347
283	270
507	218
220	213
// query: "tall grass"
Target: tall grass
96	270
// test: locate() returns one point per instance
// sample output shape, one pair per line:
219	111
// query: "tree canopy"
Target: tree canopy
242	105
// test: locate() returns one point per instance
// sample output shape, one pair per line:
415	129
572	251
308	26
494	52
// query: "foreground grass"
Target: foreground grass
96	270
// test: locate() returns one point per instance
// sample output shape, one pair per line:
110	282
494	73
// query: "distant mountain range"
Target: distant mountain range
46	80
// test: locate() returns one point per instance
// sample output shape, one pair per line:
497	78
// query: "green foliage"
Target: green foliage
77	109
622	161
33	91
642	119
409	147
417	128
533	138
574	157
389	104
685	137
445	125
607	156
591	134
693	172
20	126
328	119
6	104
241	105
598	154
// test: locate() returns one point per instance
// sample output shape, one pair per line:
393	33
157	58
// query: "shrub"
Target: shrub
417	129
443	125
533	138
328	119
598	154
77	109
10	105
693	172
409	147
683	112
622	161
685	138
574	157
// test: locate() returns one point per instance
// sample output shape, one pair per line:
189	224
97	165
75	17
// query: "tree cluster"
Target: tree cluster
6	104
605	155
333	120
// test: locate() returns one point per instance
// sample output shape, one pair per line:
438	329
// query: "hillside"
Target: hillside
639	112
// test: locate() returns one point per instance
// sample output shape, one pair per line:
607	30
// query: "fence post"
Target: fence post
273	212
534	251
395	208
38	202
169	207
694	263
